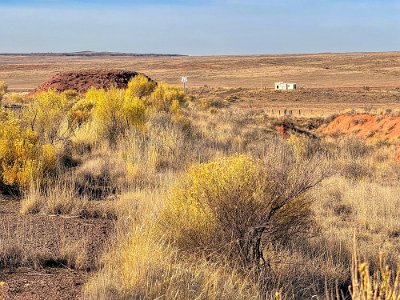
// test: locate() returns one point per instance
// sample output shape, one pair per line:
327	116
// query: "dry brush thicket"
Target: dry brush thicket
209	202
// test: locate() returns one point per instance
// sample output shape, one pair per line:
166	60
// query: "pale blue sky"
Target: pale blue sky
200	27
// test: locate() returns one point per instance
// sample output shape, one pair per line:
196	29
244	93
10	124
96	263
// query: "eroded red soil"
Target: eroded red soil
371	128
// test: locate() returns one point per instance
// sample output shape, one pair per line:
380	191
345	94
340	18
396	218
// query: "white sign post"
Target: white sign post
184	80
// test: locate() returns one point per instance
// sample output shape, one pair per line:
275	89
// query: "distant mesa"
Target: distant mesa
83	80
90	53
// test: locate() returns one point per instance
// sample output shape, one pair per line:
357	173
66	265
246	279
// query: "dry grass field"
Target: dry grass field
328	82
375	70
233	191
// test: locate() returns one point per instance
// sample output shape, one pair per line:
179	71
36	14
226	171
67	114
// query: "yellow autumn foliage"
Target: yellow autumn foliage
166	98
140	86
22	157
113	111
80	113
27	142
3	89
191	212
299	146
47	113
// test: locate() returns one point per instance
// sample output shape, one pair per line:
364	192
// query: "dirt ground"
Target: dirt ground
40	235
51	283
303	102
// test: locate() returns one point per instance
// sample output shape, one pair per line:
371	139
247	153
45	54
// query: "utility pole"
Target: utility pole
184	80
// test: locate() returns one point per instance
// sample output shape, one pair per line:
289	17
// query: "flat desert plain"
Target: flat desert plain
308	70
328	83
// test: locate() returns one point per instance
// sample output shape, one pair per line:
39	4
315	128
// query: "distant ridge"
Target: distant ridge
88	53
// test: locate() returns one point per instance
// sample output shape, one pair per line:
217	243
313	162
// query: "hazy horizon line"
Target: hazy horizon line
123	53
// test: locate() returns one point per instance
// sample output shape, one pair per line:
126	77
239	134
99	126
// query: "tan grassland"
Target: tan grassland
227	192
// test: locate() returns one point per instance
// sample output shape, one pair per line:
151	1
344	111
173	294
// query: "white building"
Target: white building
284	86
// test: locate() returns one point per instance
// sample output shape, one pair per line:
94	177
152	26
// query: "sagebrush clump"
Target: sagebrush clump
115	111
232	206
23	157
3	90
31	143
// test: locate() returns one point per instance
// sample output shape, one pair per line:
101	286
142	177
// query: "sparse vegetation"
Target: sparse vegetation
209	202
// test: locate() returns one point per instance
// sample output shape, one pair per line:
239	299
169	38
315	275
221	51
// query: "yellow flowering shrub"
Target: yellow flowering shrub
112	111
140	86
71	95
47	113
116	110
3	89
22	157
107	113
232	205
211	194
80	113
17	98
134	110
167	98
299	146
